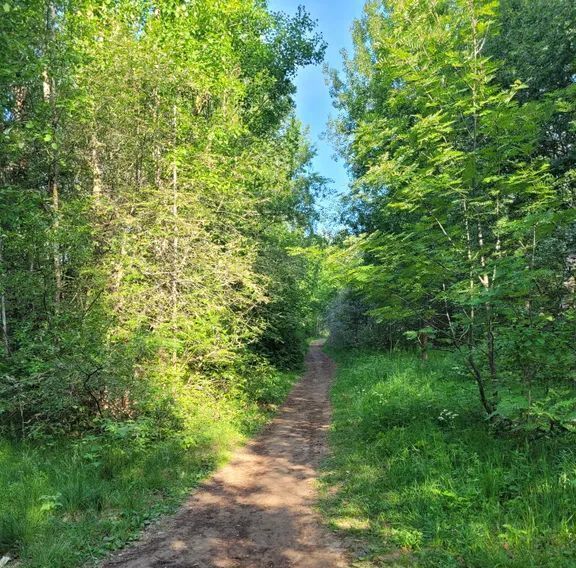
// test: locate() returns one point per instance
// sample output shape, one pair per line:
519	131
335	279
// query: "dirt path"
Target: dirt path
257	511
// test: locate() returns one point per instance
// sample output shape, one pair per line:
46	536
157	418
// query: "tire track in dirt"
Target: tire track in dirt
257	511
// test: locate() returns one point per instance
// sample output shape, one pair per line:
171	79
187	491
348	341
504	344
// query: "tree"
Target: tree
458	201
152	165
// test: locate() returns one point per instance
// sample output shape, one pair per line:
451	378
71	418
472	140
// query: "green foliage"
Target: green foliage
536	42
419	478
351	326
153	181
66	502
463	212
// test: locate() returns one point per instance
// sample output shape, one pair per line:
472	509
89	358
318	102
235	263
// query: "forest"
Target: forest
455	323
458	123
164	265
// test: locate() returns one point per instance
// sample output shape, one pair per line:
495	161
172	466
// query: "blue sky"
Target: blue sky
313	102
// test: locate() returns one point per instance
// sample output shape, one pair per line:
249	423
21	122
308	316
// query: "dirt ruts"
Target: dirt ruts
257	511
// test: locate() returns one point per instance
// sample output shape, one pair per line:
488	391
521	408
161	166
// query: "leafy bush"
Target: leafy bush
350	324
462	210
66	501
148	207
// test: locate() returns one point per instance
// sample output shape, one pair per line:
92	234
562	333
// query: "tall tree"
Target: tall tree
152	165
458	200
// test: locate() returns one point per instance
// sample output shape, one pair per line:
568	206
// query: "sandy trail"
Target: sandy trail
257	511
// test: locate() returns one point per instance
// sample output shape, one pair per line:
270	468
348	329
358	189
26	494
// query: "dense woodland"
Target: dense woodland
455	324
457	120
163	266
154	183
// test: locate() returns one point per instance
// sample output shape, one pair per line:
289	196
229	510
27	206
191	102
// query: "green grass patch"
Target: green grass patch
418	479
63	503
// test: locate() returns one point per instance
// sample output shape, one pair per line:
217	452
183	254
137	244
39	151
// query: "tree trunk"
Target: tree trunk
53	175
54	193
488	406
3	318
175	243
423	342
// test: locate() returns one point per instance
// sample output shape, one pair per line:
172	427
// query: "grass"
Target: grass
65	503
417	478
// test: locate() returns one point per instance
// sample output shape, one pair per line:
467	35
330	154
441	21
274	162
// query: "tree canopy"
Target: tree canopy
154	180
457	121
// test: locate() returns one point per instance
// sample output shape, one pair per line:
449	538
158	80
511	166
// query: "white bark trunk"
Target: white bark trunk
53	188
3	318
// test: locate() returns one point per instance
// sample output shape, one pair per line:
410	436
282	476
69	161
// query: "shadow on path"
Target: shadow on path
257	511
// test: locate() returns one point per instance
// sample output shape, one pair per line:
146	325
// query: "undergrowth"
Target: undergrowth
66	502
418	479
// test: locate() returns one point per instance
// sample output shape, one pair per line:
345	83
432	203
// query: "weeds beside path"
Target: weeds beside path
257	511
417	479
65	502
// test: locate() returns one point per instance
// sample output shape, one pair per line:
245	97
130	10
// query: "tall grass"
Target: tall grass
63	503
418	478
